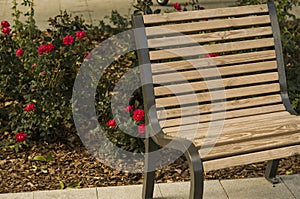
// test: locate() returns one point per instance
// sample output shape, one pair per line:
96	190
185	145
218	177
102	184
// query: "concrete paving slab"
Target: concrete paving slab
212	190
90	193
3	6
174	190
99	14
25	195
44	10
255	188
293	184
125	192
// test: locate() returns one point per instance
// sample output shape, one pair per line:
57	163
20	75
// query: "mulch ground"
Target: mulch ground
19	172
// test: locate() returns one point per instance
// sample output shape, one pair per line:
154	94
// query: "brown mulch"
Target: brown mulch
19	173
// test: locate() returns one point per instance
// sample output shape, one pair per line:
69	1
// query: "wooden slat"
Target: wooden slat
254	146
204	14
214	72
227	115
232	131
213	61
228	105
207	25
229	124
209	37
213	84
217	95
213	129
250	158
214	48
240	134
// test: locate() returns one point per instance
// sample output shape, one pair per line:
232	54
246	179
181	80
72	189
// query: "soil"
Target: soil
72	163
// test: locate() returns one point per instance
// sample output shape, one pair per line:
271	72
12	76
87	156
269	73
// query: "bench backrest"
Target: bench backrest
227	61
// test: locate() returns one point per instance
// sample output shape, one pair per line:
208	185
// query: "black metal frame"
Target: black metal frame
271	170
154	135
272	165
279	58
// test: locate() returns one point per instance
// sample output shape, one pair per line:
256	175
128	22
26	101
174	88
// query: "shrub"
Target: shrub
38	69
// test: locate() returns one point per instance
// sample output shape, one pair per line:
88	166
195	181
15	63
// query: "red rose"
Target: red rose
80	34
111	123
43	73
6	30
5	24
129	108
30	107
142	129
21	137
44	49
177	6
138	115
33	65
211	55
19	52
49	47
68	40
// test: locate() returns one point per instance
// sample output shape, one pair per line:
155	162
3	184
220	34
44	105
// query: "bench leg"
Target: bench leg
150	164
196	169
271	170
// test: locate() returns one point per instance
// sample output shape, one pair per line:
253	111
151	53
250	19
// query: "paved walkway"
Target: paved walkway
251	188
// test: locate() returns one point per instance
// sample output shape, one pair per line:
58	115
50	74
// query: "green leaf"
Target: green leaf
74	184
49	157
61	185
40	158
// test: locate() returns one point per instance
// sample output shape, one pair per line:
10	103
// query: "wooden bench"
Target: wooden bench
214	87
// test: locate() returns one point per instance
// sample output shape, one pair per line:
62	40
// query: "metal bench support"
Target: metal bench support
271	170
149	176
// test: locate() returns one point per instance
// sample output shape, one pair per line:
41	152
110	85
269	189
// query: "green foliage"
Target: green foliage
45	79
40	158
143	6
13	146
104	94
72	185
290	36
43	158
42	79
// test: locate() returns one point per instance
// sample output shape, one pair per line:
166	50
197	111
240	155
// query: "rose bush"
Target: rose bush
38	69
136	116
